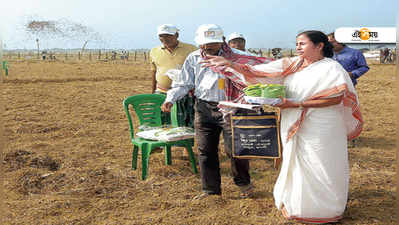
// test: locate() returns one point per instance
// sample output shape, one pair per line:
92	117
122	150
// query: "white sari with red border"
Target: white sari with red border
313	182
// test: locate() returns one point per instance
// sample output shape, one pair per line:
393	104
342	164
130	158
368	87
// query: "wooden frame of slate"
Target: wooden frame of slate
256	136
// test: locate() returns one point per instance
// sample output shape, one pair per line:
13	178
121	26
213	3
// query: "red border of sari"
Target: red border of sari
315	220
349	100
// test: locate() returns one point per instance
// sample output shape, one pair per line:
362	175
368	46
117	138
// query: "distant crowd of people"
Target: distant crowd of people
124	55
48	56
387	55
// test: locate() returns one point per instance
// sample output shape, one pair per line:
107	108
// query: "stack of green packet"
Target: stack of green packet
253	90
273	91
265	90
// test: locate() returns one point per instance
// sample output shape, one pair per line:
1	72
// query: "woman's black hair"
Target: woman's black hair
319	37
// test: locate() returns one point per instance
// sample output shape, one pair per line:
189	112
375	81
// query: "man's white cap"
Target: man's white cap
235	35
208	33
167	29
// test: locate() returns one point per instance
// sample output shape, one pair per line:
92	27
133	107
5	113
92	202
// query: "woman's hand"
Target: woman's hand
287	104
216	61
316	103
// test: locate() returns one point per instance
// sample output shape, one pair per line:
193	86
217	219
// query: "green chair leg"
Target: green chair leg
145	155
168	155
134	156
192	158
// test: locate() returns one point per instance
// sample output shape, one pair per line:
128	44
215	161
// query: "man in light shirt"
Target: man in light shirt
209	123
237	41
170	55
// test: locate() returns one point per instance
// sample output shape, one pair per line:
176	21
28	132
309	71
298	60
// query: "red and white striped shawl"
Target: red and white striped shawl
244	66
233	85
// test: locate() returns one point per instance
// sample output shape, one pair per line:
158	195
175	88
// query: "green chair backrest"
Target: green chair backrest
147	108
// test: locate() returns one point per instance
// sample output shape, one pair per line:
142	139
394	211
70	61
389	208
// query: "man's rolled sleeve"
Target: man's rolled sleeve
153	67
183	84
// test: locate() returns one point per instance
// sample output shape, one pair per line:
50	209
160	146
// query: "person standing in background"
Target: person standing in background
237	41
351	59
353	62
171	55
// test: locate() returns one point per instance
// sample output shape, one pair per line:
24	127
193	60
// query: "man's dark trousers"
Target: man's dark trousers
209	124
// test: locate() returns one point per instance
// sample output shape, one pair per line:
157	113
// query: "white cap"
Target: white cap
235	35
208	33
167	29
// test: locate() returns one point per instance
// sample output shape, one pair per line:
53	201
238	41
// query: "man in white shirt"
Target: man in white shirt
237	41
209	123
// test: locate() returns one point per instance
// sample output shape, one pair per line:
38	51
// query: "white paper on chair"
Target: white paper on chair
167	134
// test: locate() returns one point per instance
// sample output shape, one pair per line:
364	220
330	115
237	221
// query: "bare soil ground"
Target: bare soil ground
67	157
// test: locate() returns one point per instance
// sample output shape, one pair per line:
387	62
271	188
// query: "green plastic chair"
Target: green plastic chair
148	111
5	67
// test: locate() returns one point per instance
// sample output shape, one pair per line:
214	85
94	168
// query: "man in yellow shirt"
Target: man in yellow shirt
171	55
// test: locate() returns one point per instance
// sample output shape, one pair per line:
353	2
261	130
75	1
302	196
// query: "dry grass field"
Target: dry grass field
67	155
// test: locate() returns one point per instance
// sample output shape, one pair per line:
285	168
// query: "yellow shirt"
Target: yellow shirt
162	60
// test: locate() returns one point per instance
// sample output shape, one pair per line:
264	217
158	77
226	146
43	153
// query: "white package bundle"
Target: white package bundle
167	134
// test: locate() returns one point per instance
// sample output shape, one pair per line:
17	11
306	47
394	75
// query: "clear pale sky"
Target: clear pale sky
131	24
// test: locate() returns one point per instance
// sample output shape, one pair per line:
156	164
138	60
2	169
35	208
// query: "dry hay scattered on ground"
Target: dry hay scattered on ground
68	154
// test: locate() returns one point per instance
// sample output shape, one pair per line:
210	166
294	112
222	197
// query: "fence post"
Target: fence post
66	55
79	55
90	56
135	56
99	54
291	53
106	55
145	57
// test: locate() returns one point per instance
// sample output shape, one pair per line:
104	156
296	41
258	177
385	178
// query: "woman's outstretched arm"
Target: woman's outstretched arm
316	103
220	61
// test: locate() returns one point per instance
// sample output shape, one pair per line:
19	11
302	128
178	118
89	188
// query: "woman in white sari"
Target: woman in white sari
322	113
